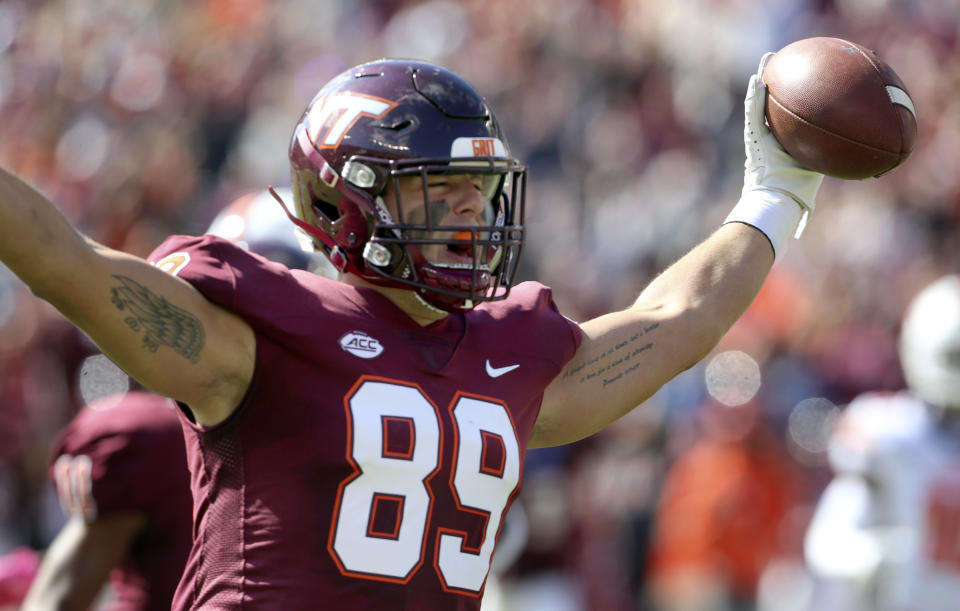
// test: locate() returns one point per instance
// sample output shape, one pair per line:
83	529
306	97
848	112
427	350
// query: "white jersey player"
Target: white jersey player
886	531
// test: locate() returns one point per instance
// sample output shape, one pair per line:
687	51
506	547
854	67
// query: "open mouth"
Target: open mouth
461	252
457	252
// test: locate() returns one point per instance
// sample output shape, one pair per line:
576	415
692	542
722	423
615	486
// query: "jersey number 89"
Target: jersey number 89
384	509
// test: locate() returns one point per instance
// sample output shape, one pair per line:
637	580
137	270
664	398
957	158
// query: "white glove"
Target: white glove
778	193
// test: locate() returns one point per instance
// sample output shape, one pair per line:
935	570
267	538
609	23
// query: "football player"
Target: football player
886	531
120	468
356	443
121	475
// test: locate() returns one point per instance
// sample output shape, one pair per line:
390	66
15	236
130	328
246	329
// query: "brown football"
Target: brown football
838	108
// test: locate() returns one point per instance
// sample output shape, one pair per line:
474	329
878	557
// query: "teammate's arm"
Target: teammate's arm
157	327
76	565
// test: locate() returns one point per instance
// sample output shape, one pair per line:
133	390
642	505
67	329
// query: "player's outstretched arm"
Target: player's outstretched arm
680	317
76	565
157	327
626	356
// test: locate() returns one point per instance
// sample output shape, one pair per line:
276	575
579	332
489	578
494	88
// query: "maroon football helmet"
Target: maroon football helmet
385	120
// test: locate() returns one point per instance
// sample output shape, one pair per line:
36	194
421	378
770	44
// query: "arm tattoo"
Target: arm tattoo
163	323
614	363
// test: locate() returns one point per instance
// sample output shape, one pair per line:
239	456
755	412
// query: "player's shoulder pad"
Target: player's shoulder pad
213	265
524	298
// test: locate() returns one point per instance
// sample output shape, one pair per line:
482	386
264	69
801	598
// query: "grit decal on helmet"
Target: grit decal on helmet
478	147
383	122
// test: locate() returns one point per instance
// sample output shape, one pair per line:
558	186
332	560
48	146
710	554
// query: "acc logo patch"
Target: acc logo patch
362	345
173	263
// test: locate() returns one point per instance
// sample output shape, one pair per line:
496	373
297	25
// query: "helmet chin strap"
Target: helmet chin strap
430	306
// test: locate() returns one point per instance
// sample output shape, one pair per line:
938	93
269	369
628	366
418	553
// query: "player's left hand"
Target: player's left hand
768	166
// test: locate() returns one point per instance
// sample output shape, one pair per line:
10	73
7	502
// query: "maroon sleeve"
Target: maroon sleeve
225	273
529	322
117	455
552	321
270	297
199	260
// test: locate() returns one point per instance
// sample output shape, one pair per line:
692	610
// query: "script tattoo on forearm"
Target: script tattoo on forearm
162	323
616	362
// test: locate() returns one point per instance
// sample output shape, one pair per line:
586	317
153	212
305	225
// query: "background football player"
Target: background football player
886	532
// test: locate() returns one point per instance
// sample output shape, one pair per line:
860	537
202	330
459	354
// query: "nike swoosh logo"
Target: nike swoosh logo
496	372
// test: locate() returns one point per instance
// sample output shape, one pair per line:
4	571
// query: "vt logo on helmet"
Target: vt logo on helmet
330	118
401	175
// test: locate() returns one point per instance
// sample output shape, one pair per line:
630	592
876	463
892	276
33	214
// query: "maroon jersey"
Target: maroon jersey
127	455
372	460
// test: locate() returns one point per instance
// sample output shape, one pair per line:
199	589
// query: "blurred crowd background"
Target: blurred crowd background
141	119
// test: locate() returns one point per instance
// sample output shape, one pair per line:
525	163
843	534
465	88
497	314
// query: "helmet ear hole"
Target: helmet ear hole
325	213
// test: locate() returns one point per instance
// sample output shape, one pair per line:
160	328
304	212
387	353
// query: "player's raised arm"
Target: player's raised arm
158	328
844	113
680	317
